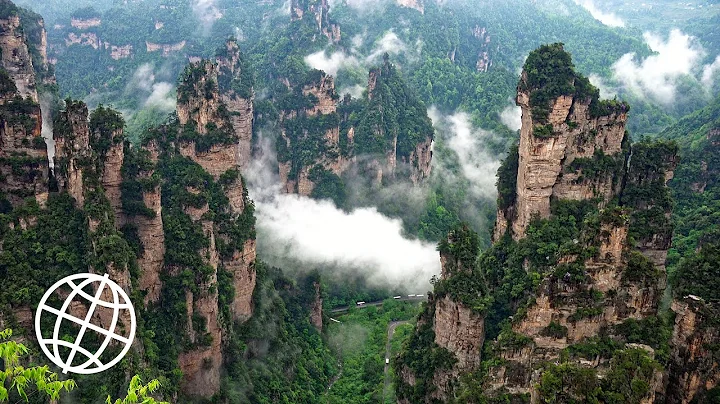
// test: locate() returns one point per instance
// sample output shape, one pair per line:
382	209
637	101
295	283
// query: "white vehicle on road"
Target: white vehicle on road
397	297
360	303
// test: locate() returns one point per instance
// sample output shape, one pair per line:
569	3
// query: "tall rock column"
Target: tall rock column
572	145
72	149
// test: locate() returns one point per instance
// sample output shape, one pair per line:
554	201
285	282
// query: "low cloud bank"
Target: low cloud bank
657	75
299	231
511	117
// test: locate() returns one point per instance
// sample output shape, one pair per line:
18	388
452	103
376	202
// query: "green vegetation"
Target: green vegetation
139	393
360	342
628	381
16	381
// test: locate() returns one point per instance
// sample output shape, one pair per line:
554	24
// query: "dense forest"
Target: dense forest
337	201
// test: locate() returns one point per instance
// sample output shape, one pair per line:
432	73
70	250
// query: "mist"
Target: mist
478	163
207	13
300	233
709	74
511	117
47	126
333	63
609	19
656	77
150	91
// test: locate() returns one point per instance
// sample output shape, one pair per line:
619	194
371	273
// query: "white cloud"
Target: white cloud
478	164
152	93
709	72
606	91
331	64
390	43
162	97
355	91
207	12
608	19
656	76
316	233
511	117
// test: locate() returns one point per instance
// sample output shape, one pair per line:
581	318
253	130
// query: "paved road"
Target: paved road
343	309
391	331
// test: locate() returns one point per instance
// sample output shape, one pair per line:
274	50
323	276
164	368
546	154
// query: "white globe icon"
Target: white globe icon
89	362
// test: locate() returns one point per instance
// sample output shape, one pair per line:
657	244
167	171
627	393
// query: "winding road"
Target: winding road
391	331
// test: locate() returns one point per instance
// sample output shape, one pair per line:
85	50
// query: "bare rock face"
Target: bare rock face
201	364
112	175
415	4
72	147
298	129
401	155
546	166
316	314
318	10
694	368
24	166
165	49
16	58
150	232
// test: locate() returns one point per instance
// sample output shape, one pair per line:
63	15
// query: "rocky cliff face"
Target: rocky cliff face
16	58
314	127
694	369
72	149
24	169
318	10
383	132
559	157
215	131
543	295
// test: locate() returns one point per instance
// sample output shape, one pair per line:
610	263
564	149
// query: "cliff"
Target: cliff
571	144
694	371
394	129
24	168
316	11
576	263
308	147
202	154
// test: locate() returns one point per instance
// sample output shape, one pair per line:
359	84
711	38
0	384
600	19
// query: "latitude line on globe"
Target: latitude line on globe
81	334
91	326
102	303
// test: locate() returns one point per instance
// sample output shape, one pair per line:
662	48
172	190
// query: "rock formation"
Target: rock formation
694	369
571	164
314	127
394	129
72	149
215	130
558	151
318	10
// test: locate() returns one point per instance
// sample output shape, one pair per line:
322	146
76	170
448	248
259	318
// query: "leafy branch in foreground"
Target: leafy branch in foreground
20	378
138	393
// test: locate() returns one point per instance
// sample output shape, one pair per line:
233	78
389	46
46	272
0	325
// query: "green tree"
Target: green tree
138	393
20	379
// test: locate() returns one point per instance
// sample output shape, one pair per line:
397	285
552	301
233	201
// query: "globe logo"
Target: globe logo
95	328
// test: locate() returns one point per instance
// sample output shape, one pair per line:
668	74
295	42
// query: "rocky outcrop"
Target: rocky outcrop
483	42
382	132
694	368
83	38
16	59
418	5
316	314
165	49
316	126
215	115
318	10
559	156
85	23
112	163
150	230
72	149
119	52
